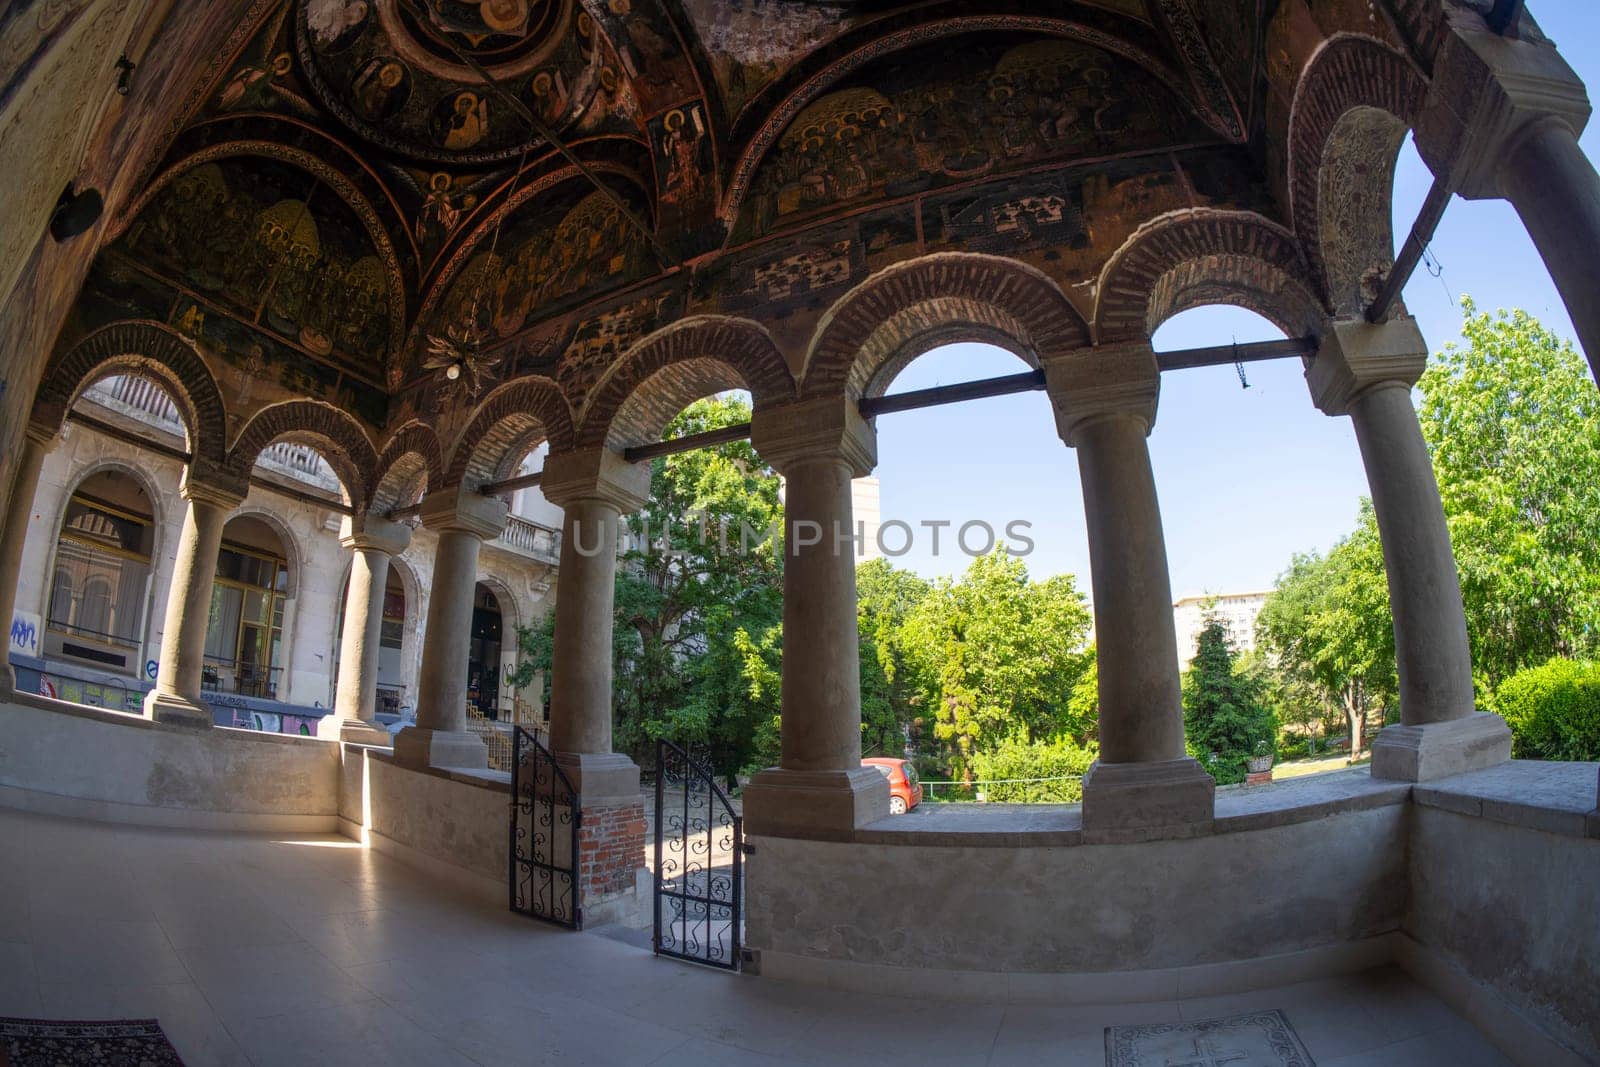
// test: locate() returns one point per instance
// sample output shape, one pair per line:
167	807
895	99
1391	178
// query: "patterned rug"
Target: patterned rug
116	1043
1255	1039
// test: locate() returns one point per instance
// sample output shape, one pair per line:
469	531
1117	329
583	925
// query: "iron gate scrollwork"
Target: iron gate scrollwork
545	820
699	864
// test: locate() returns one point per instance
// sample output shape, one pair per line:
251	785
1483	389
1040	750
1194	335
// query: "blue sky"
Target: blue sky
1247	477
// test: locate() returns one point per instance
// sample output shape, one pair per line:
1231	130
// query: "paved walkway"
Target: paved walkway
312	950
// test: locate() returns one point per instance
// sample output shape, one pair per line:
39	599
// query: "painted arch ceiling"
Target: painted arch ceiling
349	194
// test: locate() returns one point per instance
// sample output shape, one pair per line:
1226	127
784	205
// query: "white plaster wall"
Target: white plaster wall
89	763
1082	908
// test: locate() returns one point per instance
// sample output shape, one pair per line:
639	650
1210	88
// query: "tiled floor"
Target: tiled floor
311	950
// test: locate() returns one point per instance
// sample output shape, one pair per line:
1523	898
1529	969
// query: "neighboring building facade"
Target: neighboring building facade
1236	611
98	564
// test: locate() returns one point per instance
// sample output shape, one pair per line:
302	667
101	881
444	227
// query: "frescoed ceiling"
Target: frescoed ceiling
365	180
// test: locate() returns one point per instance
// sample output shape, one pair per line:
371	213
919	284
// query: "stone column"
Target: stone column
1367	372
819	789
25	483
1144	784
1502	119
176	698
373	542
463	521
594	488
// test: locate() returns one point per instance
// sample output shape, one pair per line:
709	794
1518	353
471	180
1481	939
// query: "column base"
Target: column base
174	710
1439	749
419	748
1127	802
353	732
823	805
601	779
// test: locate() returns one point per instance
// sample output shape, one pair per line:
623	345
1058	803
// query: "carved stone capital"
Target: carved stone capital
215	490
1487	92
826	428
1088	384
596	473
456	509
43	436
363	532
1358	356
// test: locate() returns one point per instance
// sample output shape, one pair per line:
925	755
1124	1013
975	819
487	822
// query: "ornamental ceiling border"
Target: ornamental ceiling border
767	135
342	187
1178	17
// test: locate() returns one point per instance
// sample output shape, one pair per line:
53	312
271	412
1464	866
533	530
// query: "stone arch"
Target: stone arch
506	427
881	325
334	433
411	457
149	349
292	553
1199	256
676	365
1355	101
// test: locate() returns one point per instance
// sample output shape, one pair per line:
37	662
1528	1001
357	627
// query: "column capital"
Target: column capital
597	473
1487	91
363	532
456	509
222	492
824	428
43	436
1088	384
1357	356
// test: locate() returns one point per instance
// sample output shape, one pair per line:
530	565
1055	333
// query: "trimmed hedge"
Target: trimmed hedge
1553	710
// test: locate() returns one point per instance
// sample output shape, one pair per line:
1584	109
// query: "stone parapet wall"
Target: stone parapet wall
69	760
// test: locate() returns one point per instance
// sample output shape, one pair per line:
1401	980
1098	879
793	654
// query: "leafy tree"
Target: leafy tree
890	699
1327	624
694	609
1005	770
997	655
1082	721
1513	421
1224	718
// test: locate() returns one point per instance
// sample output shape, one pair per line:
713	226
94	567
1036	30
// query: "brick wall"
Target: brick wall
610	850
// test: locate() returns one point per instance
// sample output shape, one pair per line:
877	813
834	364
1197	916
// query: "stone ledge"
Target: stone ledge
497	781
1556	798
136	721
1045	826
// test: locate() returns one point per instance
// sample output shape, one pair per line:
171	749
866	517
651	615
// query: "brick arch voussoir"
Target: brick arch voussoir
516	416
150	349
336	434
743	347
849	345
1237	248
1348	71
411	458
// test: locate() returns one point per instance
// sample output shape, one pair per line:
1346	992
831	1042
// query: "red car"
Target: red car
905	792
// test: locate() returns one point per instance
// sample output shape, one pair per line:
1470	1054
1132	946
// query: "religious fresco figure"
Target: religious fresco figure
440	214
461	121
336	24
381	87
251	88
682	131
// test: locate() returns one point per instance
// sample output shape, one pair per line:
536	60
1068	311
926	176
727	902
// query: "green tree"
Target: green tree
698	594
1225	720
890	698
997	656
1513	421
1327	624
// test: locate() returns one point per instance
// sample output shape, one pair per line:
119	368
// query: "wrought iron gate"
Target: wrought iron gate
545	819
699	868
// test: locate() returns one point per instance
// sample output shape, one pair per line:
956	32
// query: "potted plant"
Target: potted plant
1261	762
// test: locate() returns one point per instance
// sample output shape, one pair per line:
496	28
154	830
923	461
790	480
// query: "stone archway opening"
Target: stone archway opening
484	681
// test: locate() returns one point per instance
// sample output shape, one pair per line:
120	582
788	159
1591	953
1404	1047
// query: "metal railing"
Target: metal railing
530	538
981	791
218	675
499	741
